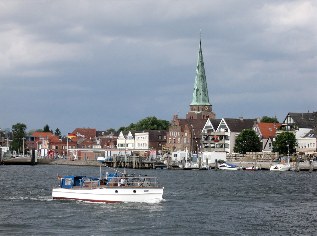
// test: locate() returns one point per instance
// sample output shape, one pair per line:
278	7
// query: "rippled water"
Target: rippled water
196	203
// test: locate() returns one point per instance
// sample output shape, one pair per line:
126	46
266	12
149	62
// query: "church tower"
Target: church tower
200	107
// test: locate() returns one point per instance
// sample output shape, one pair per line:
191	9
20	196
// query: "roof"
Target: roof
304	120
39	134
238	125
268	129
200	94
85	132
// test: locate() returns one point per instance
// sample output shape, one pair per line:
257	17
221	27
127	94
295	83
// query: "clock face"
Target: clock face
206	108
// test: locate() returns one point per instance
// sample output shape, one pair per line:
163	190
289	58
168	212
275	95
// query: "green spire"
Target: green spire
200	94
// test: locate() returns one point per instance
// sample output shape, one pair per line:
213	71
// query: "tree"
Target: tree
111	130
148	123
58	133
266	119
247	141
285	143
46	128
18	133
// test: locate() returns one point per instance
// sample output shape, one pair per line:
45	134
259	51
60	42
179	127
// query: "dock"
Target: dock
135	162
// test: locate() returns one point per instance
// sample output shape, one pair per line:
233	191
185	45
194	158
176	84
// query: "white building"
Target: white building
142	141
304	126
125	142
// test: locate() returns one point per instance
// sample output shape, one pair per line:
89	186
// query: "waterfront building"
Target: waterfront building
267	134
125	142
107	140
85	133
143	143
304	126
185	134
220	135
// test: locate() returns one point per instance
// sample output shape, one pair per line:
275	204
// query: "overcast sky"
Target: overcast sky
106	64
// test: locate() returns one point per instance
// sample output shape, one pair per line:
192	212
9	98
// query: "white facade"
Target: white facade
142	141
125	142
179	156
211	157
307	145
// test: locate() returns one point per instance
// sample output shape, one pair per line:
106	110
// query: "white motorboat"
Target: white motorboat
227	166
252	168
280	167
113	188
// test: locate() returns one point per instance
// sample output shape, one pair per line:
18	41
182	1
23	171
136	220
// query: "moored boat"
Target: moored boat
280	167
283	166
227	166
252	168
112	188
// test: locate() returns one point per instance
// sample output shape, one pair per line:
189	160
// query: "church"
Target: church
185	134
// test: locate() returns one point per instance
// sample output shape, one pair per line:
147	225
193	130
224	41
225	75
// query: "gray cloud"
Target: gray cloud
106	64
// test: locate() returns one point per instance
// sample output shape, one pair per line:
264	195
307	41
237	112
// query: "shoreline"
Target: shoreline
303	166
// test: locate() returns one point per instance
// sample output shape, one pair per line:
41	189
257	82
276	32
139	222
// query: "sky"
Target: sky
109	63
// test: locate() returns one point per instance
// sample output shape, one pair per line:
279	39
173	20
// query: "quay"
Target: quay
135	162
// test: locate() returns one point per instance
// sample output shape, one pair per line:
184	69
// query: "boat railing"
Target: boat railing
121	181
132	181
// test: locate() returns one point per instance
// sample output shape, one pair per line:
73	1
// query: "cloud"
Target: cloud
114	62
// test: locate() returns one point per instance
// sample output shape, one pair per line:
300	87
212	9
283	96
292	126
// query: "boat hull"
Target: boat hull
280	167
110	195
226	166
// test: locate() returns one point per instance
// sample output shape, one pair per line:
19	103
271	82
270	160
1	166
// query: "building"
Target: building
220	135
200	107
304	126
107	140
267	134
142	143
86	133
185	134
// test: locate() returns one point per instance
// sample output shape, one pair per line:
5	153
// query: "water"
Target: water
196	203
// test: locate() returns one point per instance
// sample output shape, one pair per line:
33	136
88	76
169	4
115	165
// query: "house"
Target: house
87	133
304	126
143	143
49	145
185	135
107	140
267	134
125	141
222	138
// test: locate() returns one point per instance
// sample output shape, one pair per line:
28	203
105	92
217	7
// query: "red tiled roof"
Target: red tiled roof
87	132
268	129
38	134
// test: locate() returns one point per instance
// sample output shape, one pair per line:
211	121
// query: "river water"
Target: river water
195	203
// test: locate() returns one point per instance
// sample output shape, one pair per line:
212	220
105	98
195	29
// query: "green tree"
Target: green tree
285	143
247	141
18	133
58	133
148	123
152	123
46	128
266	119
